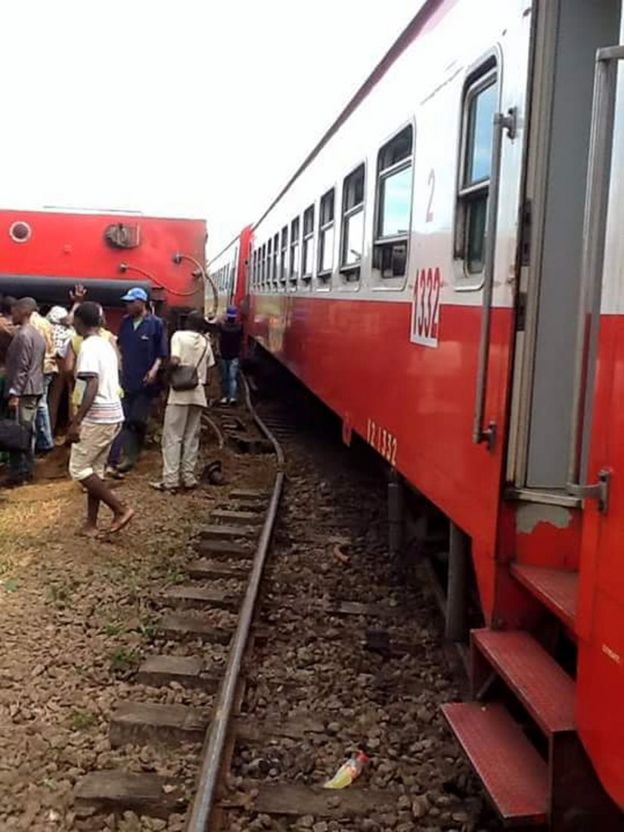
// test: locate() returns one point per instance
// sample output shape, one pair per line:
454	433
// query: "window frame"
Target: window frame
308	238
324	275
380	243
487	72
275	263
269	263
293	269
352	272
283	262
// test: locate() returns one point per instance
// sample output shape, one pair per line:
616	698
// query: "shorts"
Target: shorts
89	455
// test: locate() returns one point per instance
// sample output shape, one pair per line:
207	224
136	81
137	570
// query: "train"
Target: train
445	271
228	277
46	253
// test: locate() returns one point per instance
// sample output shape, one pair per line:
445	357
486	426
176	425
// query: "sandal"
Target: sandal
160	486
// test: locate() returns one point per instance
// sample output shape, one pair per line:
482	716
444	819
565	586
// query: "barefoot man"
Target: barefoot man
98	419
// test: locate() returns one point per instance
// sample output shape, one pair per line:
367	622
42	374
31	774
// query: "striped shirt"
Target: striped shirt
97	357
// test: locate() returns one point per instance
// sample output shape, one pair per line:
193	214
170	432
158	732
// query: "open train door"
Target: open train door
598	456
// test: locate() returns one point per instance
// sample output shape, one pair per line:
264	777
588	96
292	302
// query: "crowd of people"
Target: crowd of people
66	363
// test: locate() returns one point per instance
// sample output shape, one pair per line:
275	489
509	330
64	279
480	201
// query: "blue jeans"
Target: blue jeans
43	427
136	408
228	367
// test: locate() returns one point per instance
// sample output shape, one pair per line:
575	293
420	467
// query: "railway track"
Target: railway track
311	662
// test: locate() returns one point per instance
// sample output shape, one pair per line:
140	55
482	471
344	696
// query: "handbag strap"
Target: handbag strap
201	357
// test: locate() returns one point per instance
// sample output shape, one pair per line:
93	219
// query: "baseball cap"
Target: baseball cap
136	294
231	312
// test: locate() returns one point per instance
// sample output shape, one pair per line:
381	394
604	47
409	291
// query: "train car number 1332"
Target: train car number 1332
382	441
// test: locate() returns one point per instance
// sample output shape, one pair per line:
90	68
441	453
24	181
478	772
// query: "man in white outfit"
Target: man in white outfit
190	348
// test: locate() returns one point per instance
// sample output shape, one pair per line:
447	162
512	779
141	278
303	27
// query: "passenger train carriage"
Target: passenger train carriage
228	276
445	270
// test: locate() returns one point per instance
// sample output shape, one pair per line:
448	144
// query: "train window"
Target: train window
274	274
352	223
294	250
269	264
284	255
308	243
394	204
326	236
263	266
480	101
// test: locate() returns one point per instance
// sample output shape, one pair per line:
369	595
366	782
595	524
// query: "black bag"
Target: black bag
185	376
14	436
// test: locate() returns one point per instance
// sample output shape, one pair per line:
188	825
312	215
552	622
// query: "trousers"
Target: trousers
44	440
180	444
136	408
22	463
228	367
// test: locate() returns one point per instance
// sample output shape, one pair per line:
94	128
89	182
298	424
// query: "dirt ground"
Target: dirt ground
75	619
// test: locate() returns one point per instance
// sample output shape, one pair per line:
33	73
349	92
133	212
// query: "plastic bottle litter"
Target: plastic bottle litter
347	772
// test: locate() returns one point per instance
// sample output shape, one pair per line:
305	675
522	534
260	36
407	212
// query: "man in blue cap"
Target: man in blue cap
142	342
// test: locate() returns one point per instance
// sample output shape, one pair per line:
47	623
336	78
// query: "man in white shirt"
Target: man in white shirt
98	419
190	348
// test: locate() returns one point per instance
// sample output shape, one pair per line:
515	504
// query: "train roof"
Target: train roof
407	36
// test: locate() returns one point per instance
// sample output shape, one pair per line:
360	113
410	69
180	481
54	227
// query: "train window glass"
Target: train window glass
480	101
284	255
269	265
274	275
326	236
352	223
294	250
394	204
479	146
308	243
263	269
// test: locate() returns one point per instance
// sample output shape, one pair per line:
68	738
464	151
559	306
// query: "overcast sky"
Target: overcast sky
179	107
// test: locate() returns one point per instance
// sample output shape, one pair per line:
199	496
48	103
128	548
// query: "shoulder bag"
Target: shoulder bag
186	376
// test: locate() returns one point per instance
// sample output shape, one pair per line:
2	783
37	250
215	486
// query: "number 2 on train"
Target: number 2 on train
426	310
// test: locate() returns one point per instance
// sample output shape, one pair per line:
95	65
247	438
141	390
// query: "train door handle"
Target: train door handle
592	258
481	434
598	491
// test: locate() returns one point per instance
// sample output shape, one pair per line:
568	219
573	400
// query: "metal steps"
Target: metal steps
556	588
510	768
544	688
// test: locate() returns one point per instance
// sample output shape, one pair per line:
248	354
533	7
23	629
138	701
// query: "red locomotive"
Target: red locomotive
45	253
445	271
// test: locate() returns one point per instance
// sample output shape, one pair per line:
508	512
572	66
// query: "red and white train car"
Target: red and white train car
45	253
228	275
439	272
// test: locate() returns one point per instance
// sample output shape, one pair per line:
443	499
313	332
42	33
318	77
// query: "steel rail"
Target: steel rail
216	734
216	430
